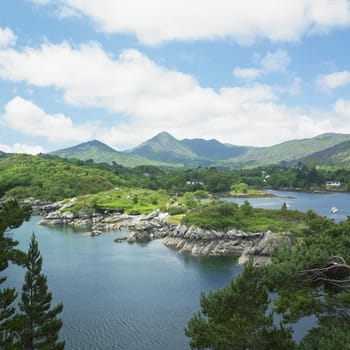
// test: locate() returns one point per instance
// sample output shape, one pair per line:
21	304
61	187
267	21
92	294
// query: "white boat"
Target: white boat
333	210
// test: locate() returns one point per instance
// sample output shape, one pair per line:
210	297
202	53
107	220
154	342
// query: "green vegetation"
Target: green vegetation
164	149
221	215
37	324
292	150
310	279
11	216
53	178
237	317
23	176
123	200
99	152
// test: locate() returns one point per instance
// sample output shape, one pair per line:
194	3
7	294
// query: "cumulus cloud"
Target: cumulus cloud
247	73
7	37
272	62
277	61
342	107
333	80
21	148
29	119
41	2
148	97
157	21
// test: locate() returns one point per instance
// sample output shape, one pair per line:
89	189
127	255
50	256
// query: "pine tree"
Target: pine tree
38	327
11	216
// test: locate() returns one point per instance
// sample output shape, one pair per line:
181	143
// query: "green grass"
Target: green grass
223	216
124	200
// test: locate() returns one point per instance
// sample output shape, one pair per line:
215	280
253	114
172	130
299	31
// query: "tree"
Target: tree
235	317
11	216
312	278
38	325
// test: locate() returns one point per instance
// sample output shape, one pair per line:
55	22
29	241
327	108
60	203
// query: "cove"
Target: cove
121	296
140	296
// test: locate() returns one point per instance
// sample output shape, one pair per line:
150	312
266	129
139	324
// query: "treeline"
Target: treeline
213	179
32	324
222	216
53	178
260	308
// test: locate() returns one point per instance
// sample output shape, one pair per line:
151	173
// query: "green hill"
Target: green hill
338	155
287	151
213	149
165	148
23	176
101	153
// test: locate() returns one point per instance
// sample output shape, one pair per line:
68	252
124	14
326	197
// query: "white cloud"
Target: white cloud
247	73
272	62
149	97
157	21
275	61
21	148
7	37
29	119
41	2
333	80
342	107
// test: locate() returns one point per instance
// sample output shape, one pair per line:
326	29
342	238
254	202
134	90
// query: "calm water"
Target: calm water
121	296
319	202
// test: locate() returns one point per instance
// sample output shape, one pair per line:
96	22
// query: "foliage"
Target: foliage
23	176
223	215
11	215
236	317
121	199
98	152
38	325
35	298
310	279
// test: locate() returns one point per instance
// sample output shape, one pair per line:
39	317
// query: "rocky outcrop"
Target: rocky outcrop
41	207
93	233
261	252
188	240
200	242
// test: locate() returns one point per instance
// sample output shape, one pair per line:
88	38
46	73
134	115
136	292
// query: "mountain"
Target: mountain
213	149
287	151
165	148
338	155
101	153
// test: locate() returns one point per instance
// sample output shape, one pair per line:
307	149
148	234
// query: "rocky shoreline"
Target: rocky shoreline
188	240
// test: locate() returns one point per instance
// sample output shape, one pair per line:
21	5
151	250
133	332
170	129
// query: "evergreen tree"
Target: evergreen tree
38	326
236	317
11	216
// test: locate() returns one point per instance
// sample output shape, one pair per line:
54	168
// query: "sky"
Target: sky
120	71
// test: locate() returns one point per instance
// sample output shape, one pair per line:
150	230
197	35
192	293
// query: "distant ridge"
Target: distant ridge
213	149
292	150
165	150
338	155
102	153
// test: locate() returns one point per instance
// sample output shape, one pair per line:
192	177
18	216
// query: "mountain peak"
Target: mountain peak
165	148
164	135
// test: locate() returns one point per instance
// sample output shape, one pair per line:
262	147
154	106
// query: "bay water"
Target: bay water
137	296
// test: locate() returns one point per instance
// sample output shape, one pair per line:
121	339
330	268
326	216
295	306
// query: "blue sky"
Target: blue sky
121	71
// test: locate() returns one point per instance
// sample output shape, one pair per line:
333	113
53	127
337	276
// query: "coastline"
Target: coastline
194	241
